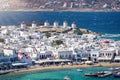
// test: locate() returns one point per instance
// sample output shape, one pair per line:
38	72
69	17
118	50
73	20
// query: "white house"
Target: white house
89	36
80	55
94	55
106	54
11	54
24	34
64	54
44	54
5	31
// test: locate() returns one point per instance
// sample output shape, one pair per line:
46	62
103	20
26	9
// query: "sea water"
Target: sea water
59	75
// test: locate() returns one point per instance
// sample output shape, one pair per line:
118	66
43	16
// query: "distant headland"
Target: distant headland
60	5
56	28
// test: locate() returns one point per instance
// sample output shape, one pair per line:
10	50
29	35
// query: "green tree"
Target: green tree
77	31
24	46
57	42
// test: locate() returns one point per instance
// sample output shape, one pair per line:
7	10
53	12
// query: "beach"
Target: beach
54	67
59	72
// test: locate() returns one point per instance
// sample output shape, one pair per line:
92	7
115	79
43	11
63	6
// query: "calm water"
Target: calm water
58	75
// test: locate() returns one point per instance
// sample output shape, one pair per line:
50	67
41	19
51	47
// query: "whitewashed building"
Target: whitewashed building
80	55
64	55
34	24
106	54
5	31
11	54
65	24
94	55
23	25
44	54
24	57
73	25
46	24
55	24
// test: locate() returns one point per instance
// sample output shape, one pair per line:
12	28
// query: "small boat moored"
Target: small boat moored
67	78
99	74
79	70
117	74
93	74
111	68
4	72
106	73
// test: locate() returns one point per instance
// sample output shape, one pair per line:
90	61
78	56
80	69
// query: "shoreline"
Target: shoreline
54	67
60	10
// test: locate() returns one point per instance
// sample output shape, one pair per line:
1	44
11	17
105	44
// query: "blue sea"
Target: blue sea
103	22
59	75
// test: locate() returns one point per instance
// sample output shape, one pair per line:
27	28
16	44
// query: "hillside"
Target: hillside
112	5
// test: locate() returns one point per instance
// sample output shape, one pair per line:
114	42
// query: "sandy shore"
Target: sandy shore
40	68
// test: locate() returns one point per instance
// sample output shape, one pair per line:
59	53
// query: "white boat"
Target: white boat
111	68
118	68
79	70
114	69
67	78
4	72
106	73
117	74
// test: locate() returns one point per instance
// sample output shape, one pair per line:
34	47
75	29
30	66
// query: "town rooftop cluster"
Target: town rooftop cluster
21	45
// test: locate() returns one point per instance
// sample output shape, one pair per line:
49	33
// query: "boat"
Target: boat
67	78
4	72
111	68
79	70
94	74
106	73
117	74
90	74
115	69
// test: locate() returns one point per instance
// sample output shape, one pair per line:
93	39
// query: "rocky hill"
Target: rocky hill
113	5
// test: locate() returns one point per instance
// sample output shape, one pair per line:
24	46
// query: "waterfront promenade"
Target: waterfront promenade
54	67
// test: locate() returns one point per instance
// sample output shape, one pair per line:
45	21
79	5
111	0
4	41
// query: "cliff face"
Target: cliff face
58	4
